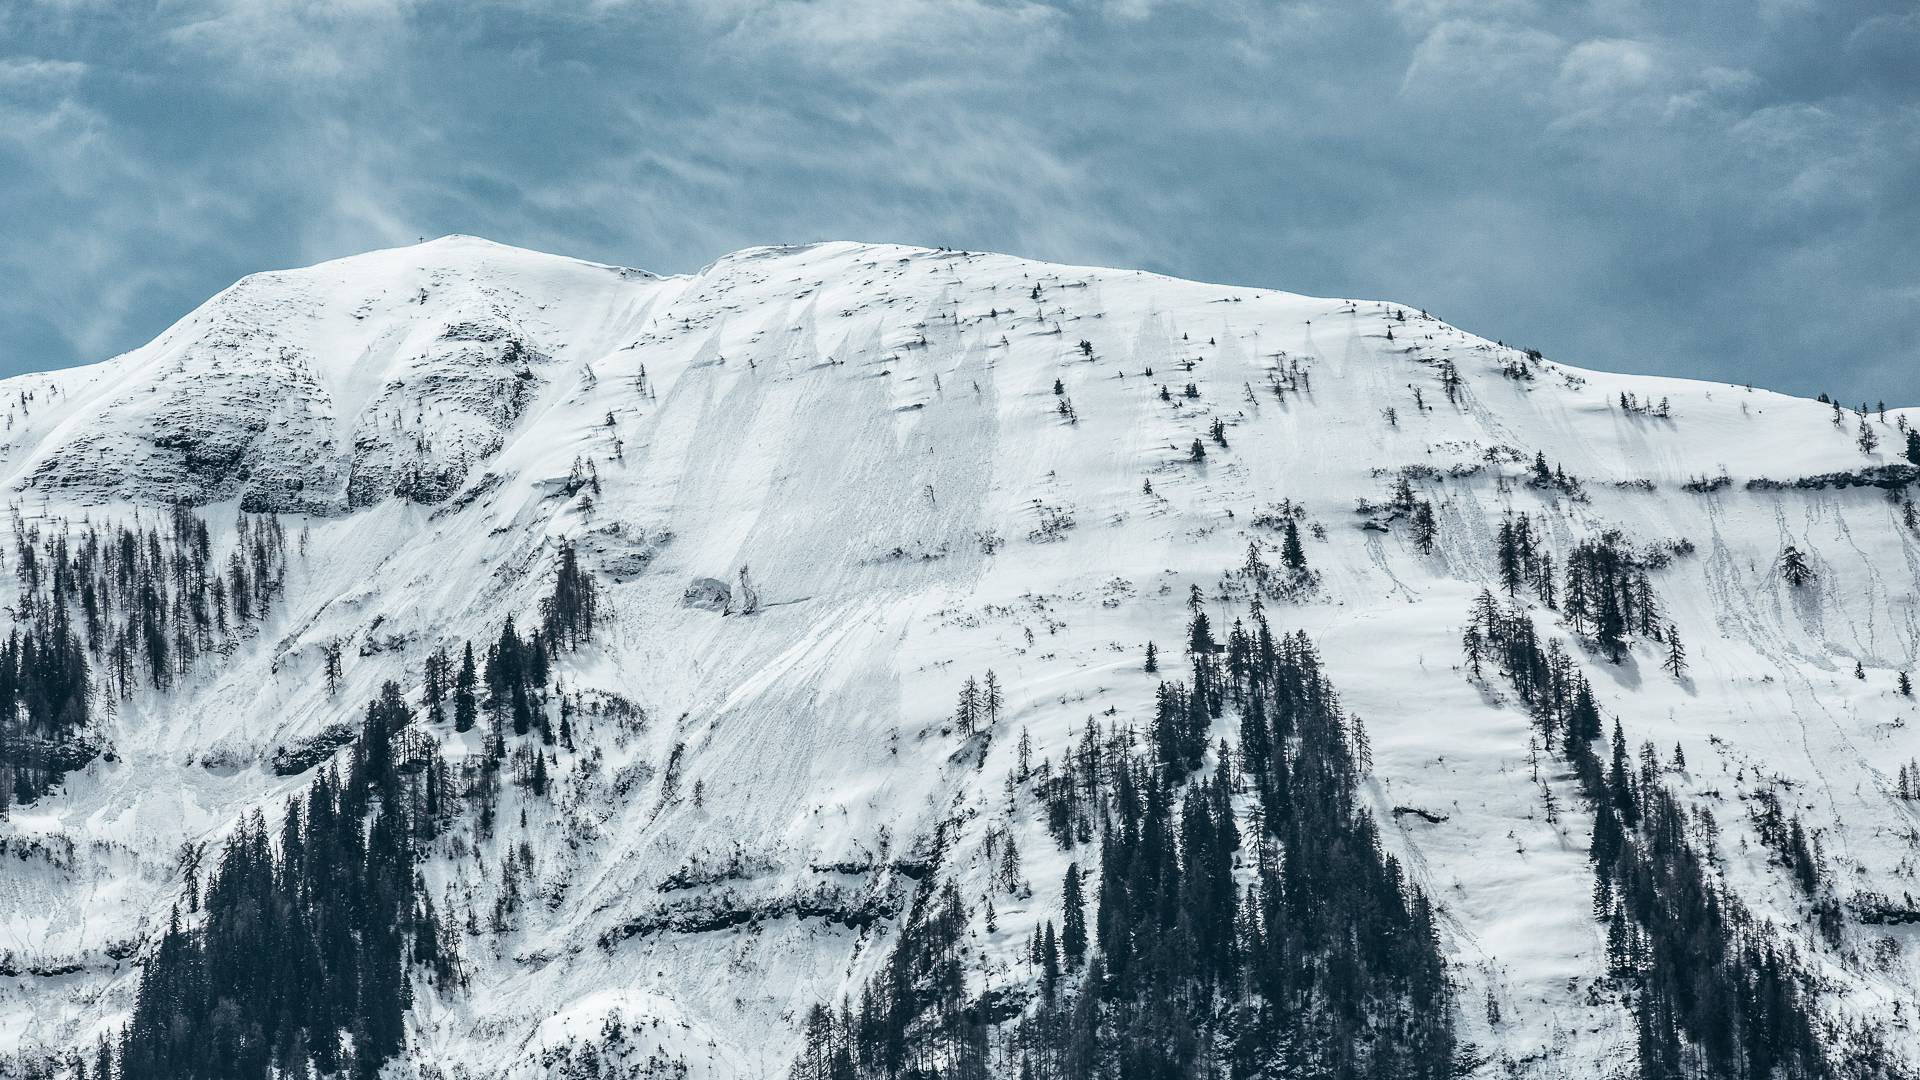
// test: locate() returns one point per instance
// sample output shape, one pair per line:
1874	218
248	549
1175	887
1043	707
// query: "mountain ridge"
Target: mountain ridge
929	465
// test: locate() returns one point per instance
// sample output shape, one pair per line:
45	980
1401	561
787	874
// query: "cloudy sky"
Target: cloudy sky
1714	188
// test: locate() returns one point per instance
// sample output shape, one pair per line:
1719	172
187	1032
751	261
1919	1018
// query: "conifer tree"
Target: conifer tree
330	656
465	705
1049	961
1402	493
966	713
1291	552
1010	879
1073	936
439	671
1509	558
1676	661
568	614
1793	566
1475	647
1425	531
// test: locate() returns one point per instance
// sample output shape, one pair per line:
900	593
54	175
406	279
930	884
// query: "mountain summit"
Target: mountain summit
860	661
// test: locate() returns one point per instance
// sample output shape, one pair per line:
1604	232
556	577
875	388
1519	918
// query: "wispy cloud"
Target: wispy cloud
1619	183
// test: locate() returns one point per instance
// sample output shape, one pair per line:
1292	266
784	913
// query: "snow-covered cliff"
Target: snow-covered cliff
928	465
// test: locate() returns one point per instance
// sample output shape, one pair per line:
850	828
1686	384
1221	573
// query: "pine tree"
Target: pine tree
1291	553
439	670
1913	446
1073	938
1509	558
1010	865
1793	566
1049	961
1676	661
1425	531
1475	647
330	656
1905	685
568	614
465	707
1153	658
966	713
991	700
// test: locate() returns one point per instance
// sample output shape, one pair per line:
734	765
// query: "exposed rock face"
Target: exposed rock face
315	391
707	594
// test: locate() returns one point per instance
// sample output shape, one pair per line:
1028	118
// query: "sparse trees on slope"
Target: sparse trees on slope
1715	993
1327	965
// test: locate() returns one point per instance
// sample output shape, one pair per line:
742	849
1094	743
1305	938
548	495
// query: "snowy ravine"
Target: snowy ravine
925	476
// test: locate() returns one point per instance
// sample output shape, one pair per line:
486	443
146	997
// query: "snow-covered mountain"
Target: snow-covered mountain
818	489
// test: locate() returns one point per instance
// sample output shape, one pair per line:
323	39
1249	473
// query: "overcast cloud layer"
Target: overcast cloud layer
1729	190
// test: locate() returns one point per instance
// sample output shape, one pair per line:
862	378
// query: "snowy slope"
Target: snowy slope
874	432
